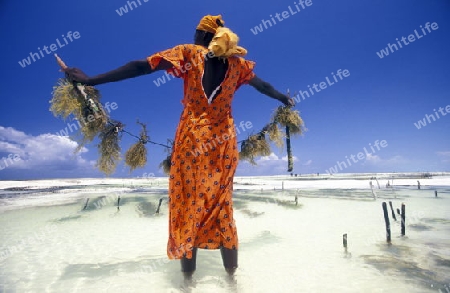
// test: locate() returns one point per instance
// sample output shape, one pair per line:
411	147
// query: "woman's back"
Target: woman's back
214	74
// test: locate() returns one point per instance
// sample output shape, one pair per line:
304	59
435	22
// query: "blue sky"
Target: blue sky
380	99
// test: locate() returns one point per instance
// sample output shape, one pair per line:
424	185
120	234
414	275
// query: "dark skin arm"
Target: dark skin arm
130	70
141	67
267	89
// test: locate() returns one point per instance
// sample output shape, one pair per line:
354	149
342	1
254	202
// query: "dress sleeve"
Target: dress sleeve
175	55
246	71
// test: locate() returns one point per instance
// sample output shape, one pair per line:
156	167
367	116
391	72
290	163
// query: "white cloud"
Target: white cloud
445	156
272	157
375	160
44	154
268	165
307	163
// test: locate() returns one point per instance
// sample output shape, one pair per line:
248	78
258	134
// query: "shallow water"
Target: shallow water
55	245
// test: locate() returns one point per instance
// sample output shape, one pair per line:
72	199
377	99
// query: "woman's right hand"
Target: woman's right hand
77	75
286	100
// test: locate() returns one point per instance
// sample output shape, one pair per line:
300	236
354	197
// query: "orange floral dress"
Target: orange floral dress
204	155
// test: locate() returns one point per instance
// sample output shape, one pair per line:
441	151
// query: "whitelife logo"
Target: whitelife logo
411	38
50	49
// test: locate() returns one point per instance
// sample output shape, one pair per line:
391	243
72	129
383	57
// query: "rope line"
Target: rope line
120	129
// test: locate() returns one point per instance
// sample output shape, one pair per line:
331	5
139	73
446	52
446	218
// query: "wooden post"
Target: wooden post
118	202
61	63
403	219
388	224
435	193
392	211
86	204
160	201
344	240
289	150
288	144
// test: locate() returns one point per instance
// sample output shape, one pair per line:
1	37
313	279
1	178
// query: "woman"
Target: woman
205	155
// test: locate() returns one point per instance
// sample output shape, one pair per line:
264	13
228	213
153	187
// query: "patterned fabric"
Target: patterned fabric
205	155
209	23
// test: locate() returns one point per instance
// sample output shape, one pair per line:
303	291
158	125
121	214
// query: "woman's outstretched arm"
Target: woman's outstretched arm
267	89
130	70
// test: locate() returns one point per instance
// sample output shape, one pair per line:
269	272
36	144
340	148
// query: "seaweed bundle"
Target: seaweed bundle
275	134
64	100
166	164
257	145
287	117
254	146
136	155
83	102
109	148
293	124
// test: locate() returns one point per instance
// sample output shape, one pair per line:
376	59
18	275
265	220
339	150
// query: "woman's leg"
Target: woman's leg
230	259
189	265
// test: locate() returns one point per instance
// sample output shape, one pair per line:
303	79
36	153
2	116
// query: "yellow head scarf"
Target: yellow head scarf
224	42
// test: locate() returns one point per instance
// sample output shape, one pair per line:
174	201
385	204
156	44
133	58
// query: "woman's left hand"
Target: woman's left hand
288	101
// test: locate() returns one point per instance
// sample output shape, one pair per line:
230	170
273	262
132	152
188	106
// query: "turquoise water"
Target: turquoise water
52	244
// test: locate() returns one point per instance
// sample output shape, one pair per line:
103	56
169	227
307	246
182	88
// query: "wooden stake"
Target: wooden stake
160	201
86	204
289	150
403	219
288	145
388	224
392	211
344	240
61	63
